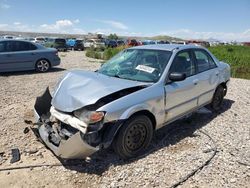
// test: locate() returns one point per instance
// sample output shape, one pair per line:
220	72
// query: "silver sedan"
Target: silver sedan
20	55
136	92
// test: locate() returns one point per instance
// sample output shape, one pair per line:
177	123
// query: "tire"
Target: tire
42	65
133	137
218	97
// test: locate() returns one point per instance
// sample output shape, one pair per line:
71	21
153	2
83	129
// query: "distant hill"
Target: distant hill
158	37
34	34
165	38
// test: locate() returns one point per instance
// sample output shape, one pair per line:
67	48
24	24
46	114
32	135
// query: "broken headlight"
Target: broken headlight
89	117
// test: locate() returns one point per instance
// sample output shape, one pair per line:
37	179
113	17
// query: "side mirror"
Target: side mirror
177	76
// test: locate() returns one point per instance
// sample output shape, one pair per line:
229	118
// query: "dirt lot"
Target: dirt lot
176	152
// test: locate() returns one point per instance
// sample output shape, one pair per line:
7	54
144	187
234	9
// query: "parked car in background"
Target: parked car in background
135	93
179	42
20	55
31	39
57	43
120	42
139	43
148	42
131	42
79	45
8	37
70	43
161	42
39	40
95	43
111	44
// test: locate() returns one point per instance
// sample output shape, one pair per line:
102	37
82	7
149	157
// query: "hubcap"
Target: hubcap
43	65
135	137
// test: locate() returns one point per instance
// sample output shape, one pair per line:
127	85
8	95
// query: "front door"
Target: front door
181	96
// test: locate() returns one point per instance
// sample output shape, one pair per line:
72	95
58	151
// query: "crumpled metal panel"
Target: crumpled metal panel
80	88
73	148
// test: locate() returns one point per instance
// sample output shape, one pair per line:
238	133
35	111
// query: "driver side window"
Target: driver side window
183	64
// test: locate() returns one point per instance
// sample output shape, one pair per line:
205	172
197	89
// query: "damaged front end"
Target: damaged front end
61	132
71	122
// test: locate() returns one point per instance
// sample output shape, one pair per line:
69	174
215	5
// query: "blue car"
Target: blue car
20	55
71	43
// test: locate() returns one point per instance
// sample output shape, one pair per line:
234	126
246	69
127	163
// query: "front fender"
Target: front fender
130	111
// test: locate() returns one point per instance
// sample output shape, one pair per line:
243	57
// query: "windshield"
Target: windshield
137	64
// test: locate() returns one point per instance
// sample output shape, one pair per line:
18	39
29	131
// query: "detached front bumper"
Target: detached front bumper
63	140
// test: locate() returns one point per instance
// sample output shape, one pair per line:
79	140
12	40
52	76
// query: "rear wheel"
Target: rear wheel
42	65
133	137
218	98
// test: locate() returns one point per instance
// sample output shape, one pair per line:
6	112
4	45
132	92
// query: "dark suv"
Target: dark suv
58	43
111	44
79	45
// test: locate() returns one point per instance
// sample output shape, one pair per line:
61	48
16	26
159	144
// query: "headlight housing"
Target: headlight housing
89	117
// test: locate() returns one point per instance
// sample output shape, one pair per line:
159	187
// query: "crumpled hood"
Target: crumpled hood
79	88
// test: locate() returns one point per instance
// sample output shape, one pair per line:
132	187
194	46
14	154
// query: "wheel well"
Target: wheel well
148	114
224	85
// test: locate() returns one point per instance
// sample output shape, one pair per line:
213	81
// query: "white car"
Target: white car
136	92
95	43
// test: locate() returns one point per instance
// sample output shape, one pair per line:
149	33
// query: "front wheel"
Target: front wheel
42	65
133	137
218	98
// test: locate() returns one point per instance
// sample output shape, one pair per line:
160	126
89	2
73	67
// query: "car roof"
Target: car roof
167	47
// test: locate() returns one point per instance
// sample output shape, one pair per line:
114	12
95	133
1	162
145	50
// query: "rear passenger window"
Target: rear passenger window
32	47
23	46
204	61
183	64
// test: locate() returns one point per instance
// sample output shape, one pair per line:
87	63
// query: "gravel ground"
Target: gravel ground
175	152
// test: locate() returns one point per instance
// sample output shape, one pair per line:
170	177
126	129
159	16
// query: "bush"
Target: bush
105	55
238	57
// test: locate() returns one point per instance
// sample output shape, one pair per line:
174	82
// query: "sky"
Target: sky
188	19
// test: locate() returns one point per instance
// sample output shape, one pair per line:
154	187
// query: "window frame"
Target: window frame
208	55
189	51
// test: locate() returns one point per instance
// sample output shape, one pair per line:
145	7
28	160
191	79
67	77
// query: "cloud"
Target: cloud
226	36
3	26
115	24
76	21
17	23
62	26
4	6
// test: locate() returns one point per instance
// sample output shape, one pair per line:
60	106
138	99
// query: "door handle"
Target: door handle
8	55
33	53
195	82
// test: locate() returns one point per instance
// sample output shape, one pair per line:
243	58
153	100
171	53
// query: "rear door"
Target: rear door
207	75
182	96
